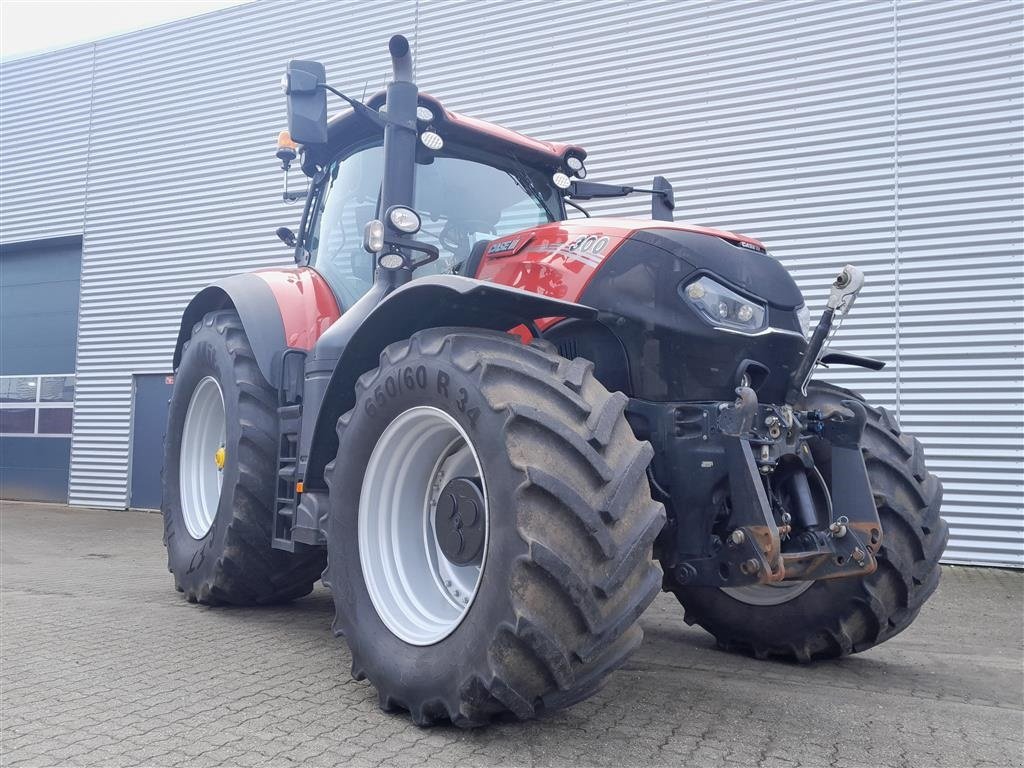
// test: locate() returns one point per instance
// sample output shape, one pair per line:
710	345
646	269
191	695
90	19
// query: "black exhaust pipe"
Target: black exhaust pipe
401	59
400	137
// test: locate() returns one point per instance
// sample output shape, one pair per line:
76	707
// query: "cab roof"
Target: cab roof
347	128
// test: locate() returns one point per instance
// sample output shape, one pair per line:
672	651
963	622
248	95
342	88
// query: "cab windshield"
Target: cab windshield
461	202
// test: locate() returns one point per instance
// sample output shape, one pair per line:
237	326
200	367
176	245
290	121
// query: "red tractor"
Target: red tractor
503	432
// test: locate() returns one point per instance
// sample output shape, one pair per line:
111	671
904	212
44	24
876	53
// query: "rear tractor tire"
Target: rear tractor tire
491	529
220	466
804	621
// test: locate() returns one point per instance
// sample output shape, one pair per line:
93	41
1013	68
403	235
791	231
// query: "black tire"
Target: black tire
843	616
569	566
233	563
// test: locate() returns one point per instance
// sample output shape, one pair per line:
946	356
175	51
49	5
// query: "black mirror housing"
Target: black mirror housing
303	84
663	202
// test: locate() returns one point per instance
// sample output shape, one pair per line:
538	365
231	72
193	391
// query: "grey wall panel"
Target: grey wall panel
44	137
183	188
961	270
887	134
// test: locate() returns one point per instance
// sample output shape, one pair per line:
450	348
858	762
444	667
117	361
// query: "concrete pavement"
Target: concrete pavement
103	663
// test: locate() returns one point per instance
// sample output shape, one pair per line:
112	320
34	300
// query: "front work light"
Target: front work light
431	140
722	307
560	180
391	261
404	219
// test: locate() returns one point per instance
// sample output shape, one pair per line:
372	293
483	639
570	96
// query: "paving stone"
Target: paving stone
104	664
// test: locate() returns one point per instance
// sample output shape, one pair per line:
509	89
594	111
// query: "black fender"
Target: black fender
253	300
352	346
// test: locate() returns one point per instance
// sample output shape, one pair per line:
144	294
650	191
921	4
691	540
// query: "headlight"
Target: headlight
803	316
722	306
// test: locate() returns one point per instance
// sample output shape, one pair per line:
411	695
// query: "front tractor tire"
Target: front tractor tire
805	621
220	465
491	529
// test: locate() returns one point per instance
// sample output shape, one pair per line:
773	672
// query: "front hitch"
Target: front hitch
754	439
855	532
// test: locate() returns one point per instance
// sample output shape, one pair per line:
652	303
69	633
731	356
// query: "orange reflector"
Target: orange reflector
298	487
284	141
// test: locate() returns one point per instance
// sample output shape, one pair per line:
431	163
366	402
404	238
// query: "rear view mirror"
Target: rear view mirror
303	84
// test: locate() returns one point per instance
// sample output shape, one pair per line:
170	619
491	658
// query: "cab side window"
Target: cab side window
348	201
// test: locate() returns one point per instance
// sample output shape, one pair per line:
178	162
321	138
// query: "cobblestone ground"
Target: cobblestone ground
103	663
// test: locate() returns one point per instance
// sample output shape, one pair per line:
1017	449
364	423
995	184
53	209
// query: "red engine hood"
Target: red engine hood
559	259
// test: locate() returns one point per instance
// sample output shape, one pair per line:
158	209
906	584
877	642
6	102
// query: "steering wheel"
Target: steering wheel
457	236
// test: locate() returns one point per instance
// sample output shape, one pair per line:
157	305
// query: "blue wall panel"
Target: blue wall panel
39	285
34	468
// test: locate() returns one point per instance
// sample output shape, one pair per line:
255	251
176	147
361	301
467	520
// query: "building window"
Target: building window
36	405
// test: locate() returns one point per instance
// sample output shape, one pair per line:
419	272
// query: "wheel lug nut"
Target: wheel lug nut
447	582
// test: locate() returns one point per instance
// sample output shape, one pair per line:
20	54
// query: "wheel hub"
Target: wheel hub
459	522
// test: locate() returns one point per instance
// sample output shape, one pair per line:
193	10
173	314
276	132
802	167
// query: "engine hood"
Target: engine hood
559	259
750	269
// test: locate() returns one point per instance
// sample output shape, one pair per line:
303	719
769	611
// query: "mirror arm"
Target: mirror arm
357	106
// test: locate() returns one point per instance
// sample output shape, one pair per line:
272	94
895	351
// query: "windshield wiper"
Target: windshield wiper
526	184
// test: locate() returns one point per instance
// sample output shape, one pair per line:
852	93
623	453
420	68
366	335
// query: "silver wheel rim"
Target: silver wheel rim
768	594
201	466
418	594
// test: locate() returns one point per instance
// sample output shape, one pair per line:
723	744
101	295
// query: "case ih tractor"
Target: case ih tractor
498	433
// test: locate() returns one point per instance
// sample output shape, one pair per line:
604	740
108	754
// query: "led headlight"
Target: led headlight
723	307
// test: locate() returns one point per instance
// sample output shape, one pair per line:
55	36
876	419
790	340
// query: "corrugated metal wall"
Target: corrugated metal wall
885	134
44	144
183	189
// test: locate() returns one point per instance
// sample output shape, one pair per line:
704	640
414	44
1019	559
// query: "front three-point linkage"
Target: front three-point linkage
814	537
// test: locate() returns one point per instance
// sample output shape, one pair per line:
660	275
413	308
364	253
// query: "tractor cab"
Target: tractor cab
473	185
473	182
